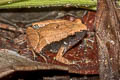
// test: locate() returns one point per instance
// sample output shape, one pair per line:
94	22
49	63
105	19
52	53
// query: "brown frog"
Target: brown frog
53	34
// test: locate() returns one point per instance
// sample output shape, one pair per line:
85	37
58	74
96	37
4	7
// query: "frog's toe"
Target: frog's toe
44	56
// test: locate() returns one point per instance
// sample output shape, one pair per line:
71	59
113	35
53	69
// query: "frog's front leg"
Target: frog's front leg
59	57
72	41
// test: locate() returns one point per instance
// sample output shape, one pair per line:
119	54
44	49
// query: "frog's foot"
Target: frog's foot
88	42
34	55
41	55
59	57
45	57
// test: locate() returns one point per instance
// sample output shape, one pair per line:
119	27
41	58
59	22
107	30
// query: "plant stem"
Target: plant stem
7	1
87	4
50	3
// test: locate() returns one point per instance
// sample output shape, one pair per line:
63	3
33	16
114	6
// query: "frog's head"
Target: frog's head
78	26
78	21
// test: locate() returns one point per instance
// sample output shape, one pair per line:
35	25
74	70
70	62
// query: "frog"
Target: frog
53	35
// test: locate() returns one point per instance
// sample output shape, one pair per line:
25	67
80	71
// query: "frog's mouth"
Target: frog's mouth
70	42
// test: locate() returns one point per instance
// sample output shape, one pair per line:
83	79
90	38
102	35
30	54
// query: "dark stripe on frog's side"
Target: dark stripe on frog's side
70	41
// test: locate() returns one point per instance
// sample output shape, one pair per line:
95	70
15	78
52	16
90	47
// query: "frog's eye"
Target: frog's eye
36	26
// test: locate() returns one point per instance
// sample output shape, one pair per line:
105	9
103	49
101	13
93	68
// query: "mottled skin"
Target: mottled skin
68	43
54	34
